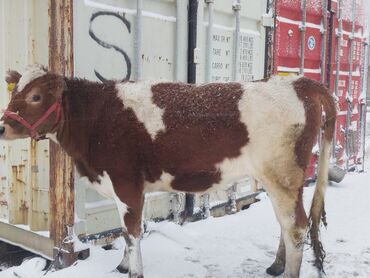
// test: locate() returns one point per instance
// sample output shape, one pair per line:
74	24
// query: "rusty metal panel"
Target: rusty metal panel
61	194
4	192
23	42
39	186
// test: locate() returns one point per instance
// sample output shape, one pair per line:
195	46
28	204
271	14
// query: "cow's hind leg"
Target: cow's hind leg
278	266
288	206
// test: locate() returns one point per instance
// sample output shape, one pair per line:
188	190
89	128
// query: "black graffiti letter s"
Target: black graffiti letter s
108	45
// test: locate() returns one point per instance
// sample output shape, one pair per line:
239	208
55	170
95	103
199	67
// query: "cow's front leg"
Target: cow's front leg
124	265
130	201
133	259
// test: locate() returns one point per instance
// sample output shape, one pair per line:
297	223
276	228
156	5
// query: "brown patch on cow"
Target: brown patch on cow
300	214
203	128
313	95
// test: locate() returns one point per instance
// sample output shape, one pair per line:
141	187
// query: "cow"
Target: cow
129	138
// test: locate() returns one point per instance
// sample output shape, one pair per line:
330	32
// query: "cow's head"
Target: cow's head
35	105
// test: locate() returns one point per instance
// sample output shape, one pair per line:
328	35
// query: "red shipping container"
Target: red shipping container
327	36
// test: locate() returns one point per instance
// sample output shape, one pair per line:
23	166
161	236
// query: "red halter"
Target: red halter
57	107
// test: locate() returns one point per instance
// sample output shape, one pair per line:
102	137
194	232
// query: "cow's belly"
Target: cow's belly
230	169
234	169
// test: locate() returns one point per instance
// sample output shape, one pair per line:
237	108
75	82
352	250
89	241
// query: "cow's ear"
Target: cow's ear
12	76
57	85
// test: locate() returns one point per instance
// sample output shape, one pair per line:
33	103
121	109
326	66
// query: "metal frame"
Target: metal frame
302	29
349	97
363	102
338	35
138	39
324	38
209	39
236	55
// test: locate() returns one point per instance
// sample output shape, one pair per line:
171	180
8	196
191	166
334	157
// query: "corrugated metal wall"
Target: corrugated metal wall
24	164
108	44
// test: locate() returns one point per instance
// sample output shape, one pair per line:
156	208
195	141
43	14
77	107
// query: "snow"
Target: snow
239	245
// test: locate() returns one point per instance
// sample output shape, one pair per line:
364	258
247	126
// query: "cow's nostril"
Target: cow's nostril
2	129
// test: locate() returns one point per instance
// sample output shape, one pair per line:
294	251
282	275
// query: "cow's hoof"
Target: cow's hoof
275	270
122	269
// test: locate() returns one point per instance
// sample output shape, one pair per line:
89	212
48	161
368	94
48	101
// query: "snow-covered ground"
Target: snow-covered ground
240	245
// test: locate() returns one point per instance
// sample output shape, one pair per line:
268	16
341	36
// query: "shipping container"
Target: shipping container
326	41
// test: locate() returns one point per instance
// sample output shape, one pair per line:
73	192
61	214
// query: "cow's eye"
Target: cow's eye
36	98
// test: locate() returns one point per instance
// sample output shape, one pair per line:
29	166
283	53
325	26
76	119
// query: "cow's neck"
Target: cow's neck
82	104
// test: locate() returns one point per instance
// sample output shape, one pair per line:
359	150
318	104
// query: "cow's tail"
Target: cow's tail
317	212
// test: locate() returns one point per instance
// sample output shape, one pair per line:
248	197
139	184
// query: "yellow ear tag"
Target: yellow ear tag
11	87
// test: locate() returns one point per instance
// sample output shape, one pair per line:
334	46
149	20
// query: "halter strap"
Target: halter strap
56	107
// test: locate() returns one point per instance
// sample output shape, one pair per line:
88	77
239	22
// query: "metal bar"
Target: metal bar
192	39
205	205
209	39
302	29
192	70
363	101
324	22
178	40
231	194
236	55
269	41
330	44
349	97
324	31
338	47
238	200
337	66
138	38
178	65
175	207
61	195
28	240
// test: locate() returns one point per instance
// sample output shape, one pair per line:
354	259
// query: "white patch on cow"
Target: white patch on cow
135	258
106	189
31	73
162	184
138	97
269	110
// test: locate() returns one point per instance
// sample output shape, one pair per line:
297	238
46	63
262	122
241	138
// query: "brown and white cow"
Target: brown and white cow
135	137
